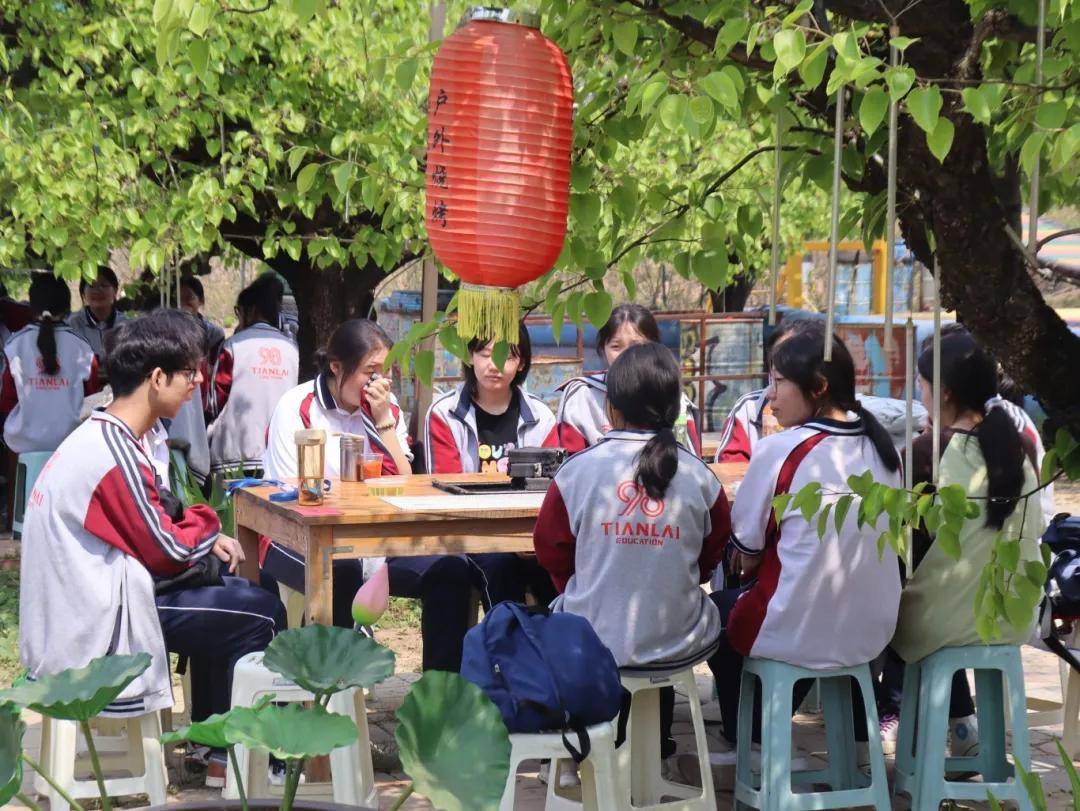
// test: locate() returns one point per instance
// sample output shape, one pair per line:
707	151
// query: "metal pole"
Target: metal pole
890	213
1033	205
909	419
834	231
429	286
936	446
775	258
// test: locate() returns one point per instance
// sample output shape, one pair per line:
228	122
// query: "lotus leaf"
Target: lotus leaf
211	731
11	735
453	743
324	659
78	694
290	732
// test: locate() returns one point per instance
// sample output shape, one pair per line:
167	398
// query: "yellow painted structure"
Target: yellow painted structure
790	285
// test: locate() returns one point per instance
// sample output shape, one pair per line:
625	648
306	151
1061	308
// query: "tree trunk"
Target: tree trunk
732	299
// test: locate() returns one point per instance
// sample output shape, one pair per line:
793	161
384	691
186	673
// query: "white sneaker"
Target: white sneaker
890	730
568	777
275	774
964	736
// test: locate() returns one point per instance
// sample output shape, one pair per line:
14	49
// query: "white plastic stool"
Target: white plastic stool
641	784
350	766
599	785
294	605
1042	712
143	758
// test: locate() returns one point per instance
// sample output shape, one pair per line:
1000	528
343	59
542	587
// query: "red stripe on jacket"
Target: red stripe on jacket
748	614
570	438
223	379
445	454
737	448
553	539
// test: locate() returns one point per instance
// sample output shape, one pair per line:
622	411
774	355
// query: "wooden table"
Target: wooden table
351	524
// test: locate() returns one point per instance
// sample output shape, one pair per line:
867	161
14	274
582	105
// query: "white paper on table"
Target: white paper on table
450	503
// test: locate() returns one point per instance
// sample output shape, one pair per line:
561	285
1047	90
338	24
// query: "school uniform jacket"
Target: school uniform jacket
582	416
450	434
45	408
95	535
1026	426
311	405
817	602
255	368
93	331
630	564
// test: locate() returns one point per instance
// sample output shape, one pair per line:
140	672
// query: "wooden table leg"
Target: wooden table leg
249	542
319	584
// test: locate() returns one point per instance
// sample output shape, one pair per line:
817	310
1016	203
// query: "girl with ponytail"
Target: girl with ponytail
982	451
814	601
632	525
49	370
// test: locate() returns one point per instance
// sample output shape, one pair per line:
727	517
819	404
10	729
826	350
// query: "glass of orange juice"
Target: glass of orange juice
372	466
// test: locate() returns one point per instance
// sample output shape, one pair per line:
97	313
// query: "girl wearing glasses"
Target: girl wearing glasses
48	372
253	370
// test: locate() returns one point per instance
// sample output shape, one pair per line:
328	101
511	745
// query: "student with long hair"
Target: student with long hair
49	371
582	416
631	527
983	452
99	313
255	368
816	602
350	395
472	429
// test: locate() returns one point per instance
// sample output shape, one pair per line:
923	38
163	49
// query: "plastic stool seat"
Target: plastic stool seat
599	782
353	780
921	764
27	470
772	790
143	758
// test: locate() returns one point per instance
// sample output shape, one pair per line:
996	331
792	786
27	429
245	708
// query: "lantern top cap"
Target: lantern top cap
497	14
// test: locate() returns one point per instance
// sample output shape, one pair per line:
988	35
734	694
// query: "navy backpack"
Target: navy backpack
545	671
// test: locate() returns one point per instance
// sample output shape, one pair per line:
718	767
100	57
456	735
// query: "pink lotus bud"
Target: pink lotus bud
372	598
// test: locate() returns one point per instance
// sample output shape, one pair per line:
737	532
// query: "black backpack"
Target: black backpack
1062	600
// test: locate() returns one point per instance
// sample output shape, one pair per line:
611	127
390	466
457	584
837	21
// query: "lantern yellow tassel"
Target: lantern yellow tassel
488	312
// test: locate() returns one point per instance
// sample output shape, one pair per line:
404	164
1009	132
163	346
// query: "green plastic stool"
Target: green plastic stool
772	789
28	469
921	764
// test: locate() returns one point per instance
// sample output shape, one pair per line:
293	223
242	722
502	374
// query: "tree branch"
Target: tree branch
1068	232
697	31
995	24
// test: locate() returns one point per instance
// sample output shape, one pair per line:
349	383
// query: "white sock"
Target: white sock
966	729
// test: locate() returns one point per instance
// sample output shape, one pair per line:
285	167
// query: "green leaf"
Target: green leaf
875	104
625	36
711	268
12	730
324	659
1049	466
1074	779
790	47
1008	554
306	178
953	499
653	90
405	73
598	306
424	365
199	55
305	9
499	353
924	105
899	79
440	713
702	111
901	43
976	104
624	199
941	139
1051	114
163	10
200	19
209	732
812	69
1033	786
720	87
1029	152
823	521
343	176
585	208
78	694
1035	571
948	538
780	505
296	157
673	110
292	731
843	505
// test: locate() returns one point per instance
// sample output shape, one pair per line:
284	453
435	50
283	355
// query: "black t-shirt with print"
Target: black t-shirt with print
496	434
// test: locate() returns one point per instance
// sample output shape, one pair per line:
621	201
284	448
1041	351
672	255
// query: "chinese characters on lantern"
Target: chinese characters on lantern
439	141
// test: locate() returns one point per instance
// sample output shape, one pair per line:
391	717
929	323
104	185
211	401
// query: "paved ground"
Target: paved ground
1040	669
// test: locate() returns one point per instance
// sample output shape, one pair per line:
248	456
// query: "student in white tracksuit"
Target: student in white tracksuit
582	417
255	368
472	429
48	372
99	313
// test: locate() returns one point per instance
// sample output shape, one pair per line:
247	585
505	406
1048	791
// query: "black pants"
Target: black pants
442	583
891	689
727	664
502	576
214	626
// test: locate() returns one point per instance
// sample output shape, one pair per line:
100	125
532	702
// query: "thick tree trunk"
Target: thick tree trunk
731	299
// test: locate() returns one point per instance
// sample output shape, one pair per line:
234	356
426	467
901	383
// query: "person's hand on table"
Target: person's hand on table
377	392
229	551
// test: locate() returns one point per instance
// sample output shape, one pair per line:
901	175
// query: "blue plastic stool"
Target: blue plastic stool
772	790
26	472
921	764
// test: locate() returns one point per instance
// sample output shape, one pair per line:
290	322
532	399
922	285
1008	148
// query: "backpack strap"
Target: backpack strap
624	717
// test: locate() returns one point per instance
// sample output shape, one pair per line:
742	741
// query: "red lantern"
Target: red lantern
500	129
